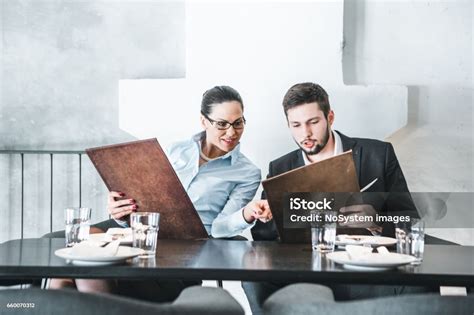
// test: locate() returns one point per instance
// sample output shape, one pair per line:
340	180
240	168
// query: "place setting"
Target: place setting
90	253
364	258
370	253
115	246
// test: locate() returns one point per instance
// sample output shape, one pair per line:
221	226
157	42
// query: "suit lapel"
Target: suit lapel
297	160
351	144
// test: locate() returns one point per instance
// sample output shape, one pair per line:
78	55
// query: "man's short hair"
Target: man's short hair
304	93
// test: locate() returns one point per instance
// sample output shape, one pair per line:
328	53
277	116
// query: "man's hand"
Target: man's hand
120	208
359	216
257	210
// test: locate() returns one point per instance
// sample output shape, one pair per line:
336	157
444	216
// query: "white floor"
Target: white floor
235	289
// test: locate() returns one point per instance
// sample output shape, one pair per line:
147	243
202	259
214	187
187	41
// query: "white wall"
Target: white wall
415	43
261	48
427	46
59	69
383	63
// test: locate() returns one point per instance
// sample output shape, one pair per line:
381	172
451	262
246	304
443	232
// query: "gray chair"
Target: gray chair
307	299
193	300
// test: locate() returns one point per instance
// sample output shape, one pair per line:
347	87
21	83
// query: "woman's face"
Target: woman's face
222	113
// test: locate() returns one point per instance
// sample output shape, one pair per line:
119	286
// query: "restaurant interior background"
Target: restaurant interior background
78	74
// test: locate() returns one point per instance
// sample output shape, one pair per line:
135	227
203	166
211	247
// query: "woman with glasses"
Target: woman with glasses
218	178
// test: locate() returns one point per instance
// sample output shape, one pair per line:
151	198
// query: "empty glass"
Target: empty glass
145	226
417	239
323	230
411	238
78	221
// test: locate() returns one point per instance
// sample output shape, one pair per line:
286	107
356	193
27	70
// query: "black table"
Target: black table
236	260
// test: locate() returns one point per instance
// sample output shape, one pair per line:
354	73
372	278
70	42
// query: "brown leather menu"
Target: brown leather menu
141	170
336	174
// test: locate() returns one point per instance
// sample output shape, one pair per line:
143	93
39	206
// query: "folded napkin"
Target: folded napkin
119	231
353	239
356	252
93	249
364	252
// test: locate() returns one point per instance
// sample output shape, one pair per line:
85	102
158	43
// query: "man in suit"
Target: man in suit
310	118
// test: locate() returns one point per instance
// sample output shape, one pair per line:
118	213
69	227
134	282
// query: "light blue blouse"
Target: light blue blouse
219	189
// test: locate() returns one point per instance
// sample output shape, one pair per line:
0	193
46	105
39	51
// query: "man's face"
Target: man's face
309	128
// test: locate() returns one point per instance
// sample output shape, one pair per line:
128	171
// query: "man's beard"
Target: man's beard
318	146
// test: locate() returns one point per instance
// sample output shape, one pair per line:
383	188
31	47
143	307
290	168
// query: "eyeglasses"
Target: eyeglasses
224	124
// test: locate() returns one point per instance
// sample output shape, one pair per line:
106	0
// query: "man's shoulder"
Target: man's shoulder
370	149
286	158
364	142
374	143
284	162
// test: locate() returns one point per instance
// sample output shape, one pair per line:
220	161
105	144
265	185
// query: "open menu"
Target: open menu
141	170
336	174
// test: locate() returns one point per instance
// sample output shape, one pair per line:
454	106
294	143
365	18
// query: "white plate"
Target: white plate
365	240
362	268
104	237
95	263
123	254
374	261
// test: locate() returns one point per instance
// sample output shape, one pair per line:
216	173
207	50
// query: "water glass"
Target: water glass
417	240
411	238
403	236
78	221
145	226
323	230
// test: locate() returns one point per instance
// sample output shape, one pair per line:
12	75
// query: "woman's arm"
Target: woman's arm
230	221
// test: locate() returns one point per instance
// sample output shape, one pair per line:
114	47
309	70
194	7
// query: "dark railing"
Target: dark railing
51	154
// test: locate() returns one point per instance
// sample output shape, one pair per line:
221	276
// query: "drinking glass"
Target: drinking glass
323	230
78	221
145	227
411	238
402	234
417	240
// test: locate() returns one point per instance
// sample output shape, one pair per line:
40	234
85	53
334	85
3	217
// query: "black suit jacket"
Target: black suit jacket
373	159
